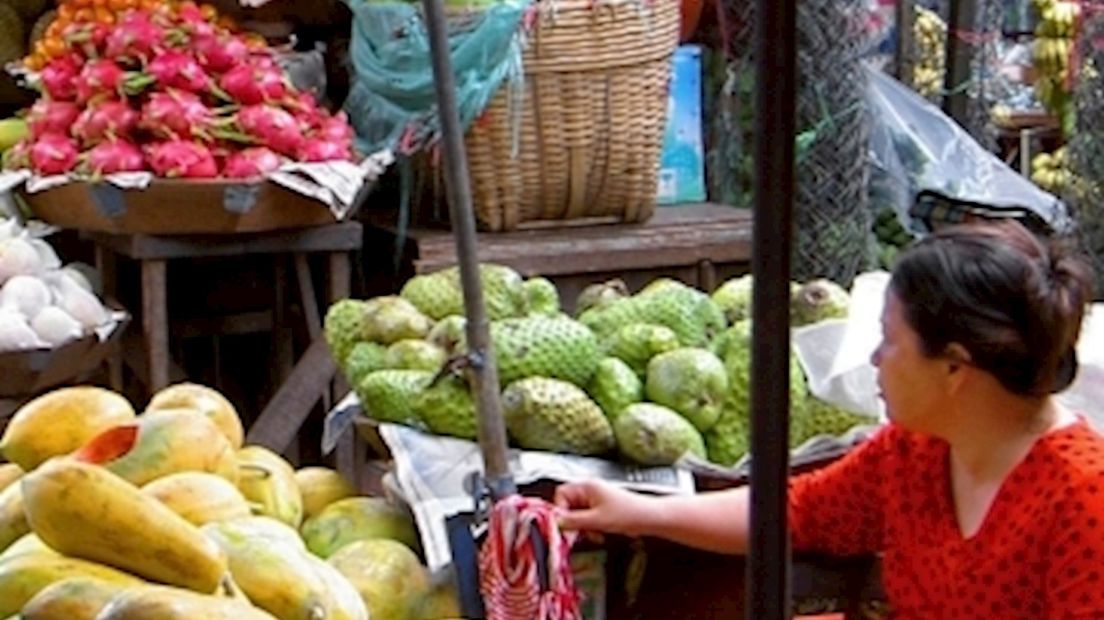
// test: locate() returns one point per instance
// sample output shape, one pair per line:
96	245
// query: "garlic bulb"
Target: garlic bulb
16	334
47	257
27	295
18	257
54	326
77	302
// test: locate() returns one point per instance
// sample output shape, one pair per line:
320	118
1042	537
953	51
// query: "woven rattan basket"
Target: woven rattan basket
592	118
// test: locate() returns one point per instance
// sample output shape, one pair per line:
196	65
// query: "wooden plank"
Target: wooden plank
960	51
345	236
279	423
134	355
258	321
155	322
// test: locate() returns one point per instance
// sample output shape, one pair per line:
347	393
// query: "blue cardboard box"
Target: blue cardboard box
682	164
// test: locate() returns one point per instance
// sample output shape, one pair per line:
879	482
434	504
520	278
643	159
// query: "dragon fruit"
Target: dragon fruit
272	127
193	21
59	78
48	116
250	163
318	149
105	119
220	54
255	82
17	157
53	154
113	156
98	78
176	114
90	39
180	158
136	37
175	69
335	129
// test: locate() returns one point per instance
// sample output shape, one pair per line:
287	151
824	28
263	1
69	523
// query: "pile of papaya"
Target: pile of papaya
110	514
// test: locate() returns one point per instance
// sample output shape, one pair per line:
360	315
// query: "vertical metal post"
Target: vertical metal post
483	372
768	572
906	42
960	39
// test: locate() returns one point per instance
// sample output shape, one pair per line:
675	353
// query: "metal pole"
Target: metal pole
906	42
960	39
768	571
483	372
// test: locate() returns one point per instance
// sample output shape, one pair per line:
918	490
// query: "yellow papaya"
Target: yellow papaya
76	598
28	543
87	512
199	497
345	602
13	520
165	603
261	527
9	474
443	601
358	518
276	576
24	576
268	481
388	576
61	421
205	400
320	487
160	443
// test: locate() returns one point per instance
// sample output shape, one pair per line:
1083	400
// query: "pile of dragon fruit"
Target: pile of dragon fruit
172	92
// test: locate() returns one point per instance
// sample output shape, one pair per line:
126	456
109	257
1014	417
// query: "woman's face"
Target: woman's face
911	383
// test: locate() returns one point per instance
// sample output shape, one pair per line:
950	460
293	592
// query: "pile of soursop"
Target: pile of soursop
655	375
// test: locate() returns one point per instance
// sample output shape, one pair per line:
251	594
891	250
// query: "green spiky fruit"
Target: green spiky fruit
447	408
615	386
542	296
448	334
638	343
555	347
729	439
689	313
817	418
601	294
414	355
660	284
391	319
652	434
345	326
690	381
440	294
387	395
734	298
817	301
364	359
549	414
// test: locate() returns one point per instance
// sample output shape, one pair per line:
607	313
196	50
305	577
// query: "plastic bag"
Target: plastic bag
917	149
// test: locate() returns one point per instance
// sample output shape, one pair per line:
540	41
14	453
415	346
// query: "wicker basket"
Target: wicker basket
592	119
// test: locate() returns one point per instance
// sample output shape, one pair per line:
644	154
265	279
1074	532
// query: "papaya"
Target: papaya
87	512
345	601
388	576
205	400
320	487
261	527
9	474
13	520
76	598
443	601
358	518
277	576
160	443
199	497
27	544
24	576
268	481
61	421
165	603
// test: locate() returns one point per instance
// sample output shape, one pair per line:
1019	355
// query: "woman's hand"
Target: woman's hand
596	506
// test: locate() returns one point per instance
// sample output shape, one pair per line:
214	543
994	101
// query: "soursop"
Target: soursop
652	434
690	381
554	415
440	294
688	312
415	355
387	395
660	284
449	334
365	358
817	301
542	297
734	298
729	439
554	347
615	386
817	417
601	294
638	343
391	319
447	408
345	325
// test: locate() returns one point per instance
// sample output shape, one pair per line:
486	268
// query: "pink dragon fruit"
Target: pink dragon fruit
255	82
48	116
53	154
176	114
17	157
106	119
59	78
99	78
181	159
220	54
90	39
135	37
113	156
193	22
175	69
335	129
319	149
250	163
272	127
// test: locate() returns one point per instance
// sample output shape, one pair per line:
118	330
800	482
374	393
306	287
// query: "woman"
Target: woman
984	495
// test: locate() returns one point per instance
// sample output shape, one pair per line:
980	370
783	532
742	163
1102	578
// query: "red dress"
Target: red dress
1039	552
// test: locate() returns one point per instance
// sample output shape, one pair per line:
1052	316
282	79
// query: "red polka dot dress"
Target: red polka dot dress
1039	552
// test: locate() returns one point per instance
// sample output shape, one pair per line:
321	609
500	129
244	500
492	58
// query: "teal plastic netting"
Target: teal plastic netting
392	104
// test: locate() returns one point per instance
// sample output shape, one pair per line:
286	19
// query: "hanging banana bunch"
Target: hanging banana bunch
1051	171
1054	43
930	35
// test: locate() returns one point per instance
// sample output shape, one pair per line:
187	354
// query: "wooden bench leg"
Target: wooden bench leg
107	267
155	322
